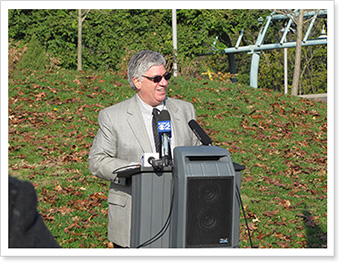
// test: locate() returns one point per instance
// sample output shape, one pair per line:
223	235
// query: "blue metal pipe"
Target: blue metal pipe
254	48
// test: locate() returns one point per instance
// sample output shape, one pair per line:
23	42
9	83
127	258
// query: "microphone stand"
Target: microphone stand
165	158
166	149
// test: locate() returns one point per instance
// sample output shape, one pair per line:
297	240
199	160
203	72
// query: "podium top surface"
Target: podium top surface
129	172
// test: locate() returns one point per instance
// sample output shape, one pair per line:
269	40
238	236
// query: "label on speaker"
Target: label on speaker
224	241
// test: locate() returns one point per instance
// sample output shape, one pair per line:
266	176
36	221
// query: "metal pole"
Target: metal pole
174	40
285	70
254	67
256	48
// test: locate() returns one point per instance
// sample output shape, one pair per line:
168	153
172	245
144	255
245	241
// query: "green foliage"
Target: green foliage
56	30
111	36
120	31
314	71
282	141
34	57
271	70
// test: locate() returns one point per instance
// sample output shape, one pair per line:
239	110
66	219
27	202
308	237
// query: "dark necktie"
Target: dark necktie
155	113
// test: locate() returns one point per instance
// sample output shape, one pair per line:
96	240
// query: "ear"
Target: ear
137	83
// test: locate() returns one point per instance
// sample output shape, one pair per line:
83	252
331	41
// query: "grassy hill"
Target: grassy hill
282	141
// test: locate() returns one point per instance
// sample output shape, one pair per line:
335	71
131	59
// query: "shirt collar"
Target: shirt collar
146	108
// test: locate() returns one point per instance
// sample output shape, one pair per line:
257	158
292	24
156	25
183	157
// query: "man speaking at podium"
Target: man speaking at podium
125	134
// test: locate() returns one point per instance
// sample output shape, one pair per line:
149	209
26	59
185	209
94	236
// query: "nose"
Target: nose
163	82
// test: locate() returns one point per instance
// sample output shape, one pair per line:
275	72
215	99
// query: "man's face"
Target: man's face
150	92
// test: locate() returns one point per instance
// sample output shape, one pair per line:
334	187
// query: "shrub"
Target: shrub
35	57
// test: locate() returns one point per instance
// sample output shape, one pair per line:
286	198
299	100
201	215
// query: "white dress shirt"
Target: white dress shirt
146	111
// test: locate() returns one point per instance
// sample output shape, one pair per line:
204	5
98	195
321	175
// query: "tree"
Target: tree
81	18
297	66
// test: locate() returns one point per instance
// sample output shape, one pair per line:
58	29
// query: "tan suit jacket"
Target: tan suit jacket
121	139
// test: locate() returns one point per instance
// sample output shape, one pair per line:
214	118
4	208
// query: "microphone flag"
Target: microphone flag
164	123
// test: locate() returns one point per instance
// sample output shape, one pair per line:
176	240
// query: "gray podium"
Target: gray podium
197	192
151	197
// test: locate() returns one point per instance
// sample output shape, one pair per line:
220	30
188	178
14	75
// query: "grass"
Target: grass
282	141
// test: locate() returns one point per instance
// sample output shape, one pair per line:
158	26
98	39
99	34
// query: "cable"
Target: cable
166	225
244	214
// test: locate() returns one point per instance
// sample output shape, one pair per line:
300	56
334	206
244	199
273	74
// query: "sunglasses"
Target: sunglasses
158	79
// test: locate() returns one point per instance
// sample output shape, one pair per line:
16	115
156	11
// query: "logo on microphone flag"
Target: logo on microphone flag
164	127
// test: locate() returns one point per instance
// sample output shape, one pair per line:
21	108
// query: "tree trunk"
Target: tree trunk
79	39
295	85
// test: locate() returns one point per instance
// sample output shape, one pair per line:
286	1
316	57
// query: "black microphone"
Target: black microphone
156	164
164	129
200	133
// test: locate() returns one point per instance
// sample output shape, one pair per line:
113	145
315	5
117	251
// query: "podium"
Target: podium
192	204
151	199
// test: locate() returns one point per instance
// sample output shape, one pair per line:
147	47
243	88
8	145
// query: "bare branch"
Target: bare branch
84	14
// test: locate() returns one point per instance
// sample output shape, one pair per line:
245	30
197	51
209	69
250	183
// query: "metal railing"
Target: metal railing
259	45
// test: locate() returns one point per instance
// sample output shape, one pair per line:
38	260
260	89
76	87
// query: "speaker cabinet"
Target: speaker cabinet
205	212
209	211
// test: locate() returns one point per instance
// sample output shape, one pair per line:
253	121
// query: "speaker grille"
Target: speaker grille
209	211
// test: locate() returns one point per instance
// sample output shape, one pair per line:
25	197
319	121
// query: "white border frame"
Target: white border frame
5	5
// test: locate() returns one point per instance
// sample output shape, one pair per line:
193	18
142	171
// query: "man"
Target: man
125	133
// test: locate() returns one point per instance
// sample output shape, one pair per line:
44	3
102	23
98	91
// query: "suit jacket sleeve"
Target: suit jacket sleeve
103	154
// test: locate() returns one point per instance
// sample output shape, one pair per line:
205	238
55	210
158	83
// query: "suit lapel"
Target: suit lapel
137	125
176	121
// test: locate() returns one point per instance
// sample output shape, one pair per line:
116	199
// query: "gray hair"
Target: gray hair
141	62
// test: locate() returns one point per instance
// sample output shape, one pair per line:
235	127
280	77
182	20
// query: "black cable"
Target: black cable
244	214
164	228
166	225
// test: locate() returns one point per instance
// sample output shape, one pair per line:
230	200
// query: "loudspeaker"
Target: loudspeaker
209	211
205	212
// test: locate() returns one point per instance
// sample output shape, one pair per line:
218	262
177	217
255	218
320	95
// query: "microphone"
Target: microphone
200	133
156	164
164	129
